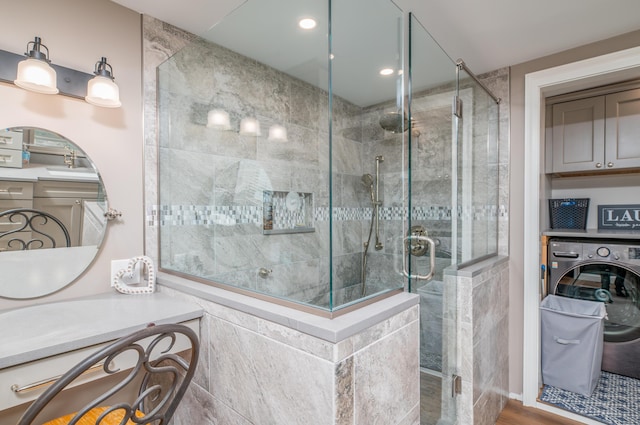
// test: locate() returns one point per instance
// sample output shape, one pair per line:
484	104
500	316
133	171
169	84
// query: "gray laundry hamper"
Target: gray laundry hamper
572	337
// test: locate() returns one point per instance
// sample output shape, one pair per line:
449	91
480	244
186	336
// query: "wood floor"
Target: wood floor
514	412
430	385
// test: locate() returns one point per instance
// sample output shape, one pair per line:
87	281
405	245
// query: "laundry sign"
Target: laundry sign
619	217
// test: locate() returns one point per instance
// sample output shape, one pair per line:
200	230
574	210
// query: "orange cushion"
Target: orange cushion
114	418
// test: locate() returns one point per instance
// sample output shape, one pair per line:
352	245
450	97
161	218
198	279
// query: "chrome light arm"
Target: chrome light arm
407	257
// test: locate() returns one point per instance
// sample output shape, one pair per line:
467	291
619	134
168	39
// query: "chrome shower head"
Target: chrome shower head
394	122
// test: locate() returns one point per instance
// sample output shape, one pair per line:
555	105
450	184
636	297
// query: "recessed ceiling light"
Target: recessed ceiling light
307	23
386	71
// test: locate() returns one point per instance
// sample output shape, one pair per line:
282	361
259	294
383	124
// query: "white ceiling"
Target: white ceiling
487	34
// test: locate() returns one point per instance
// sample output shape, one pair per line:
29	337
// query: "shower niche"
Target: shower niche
287	212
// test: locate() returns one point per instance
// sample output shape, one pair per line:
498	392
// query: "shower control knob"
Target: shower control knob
603	251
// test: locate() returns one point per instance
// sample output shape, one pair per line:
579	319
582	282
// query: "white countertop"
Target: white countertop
20	279
35	172
44	330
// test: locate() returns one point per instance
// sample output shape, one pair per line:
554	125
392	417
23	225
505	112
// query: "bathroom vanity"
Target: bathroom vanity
57	190
41	342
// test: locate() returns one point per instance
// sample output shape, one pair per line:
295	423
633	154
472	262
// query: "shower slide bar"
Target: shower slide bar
461	65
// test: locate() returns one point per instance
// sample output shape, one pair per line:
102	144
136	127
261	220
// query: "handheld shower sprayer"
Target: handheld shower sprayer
367	180
377	203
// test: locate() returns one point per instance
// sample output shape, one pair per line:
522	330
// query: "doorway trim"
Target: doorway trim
600	70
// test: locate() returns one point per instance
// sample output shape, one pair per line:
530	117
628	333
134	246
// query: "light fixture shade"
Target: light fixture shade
35	73
101	89
218	120
277	133
249	127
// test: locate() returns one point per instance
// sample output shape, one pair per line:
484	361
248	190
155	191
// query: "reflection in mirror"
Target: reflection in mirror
52	205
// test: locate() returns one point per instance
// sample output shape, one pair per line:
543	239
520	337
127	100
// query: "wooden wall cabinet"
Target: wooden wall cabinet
596	134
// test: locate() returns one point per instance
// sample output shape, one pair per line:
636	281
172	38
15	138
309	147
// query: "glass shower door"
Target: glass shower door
432	185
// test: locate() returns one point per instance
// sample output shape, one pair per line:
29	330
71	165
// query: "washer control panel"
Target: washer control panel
576	250
612	252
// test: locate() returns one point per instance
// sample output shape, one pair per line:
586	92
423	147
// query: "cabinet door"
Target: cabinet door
578	135
7	225
68	211
623	130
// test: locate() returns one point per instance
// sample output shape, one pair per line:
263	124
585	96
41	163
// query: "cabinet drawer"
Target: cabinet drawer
65	189
10	158
15	190
6	225
11	140
32	379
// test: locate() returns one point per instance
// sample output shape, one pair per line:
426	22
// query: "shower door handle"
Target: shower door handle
407	258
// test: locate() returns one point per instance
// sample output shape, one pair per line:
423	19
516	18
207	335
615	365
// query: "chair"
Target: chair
163	380
31	223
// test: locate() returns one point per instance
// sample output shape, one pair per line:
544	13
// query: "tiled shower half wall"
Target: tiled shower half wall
288	216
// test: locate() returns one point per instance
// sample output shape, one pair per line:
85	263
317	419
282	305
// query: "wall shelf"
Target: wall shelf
287	212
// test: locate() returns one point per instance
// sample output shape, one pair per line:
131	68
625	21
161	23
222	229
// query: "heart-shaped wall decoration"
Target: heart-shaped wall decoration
148	284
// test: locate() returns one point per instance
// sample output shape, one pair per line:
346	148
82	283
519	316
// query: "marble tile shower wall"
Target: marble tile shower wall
192	220
253	372
211	182
483	327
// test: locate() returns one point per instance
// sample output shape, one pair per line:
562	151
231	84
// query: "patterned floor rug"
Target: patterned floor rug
614	400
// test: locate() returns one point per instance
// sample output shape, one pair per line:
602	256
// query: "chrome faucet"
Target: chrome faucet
70	158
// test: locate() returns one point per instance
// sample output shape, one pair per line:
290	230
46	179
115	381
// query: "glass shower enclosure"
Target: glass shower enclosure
453	199
277	175
329	166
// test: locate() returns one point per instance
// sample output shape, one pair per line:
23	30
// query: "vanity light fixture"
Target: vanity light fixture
218	120
249	127
307	23
101	89
386	71
277	133
35	73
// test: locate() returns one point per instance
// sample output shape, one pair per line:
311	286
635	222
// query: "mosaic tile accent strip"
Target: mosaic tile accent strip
190	215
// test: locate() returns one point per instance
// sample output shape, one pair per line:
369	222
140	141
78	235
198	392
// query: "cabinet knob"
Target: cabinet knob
599	165
78	202
609	164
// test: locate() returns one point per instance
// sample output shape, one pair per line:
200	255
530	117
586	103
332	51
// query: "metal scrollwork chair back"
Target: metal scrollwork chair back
30	232
163	376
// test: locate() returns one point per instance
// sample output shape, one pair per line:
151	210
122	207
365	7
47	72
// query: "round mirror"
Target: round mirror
52	206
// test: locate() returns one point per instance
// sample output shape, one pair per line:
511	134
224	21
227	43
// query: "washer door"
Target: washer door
617	286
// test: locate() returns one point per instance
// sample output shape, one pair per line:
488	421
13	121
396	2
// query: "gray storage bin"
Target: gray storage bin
572	336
